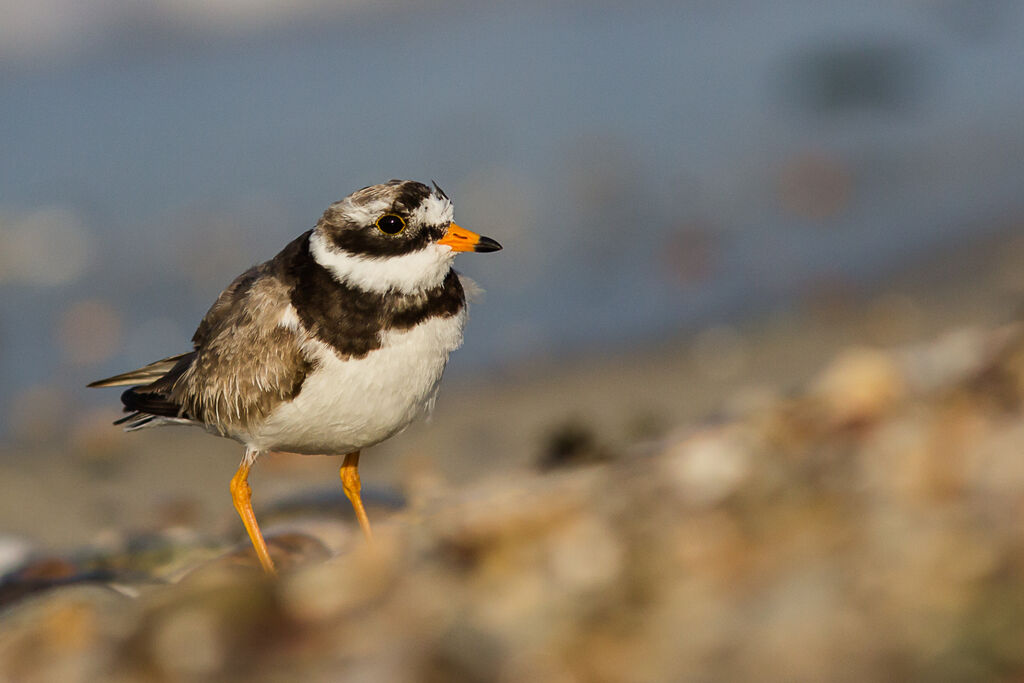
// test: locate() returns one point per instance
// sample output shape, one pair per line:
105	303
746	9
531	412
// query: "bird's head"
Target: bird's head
396	236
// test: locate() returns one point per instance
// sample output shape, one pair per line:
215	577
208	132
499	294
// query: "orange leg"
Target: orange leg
242	495
350	482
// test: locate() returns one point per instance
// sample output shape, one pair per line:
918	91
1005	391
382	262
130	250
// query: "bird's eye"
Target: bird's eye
390	223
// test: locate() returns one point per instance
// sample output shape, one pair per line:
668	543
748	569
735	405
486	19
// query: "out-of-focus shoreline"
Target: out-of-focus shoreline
867	513
61	495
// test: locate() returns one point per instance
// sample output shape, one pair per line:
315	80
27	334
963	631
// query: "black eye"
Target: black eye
390	224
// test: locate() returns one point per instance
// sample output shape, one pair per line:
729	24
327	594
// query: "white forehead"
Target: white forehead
363	213
434	210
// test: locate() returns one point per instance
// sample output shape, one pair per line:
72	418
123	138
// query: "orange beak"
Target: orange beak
460	239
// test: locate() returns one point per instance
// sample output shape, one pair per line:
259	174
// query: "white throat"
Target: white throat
405	273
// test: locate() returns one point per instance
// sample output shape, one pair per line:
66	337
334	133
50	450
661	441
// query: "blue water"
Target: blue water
596	143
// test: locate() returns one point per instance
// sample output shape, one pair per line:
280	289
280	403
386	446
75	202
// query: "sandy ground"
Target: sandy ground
842	484
67	494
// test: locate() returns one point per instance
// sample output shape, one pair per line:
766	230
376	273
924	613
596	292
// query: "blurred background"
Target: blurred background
700	202
650	169
659	173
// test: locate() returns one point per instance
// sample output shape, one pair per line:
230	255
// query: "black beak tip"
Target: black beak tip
485	245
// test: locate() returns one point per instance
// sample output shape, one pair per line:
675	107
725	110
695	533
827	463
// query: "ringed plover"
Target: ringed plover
333	345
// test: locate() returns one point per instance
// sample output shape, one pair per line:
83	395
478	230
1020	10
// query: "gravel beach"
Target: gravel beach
828	495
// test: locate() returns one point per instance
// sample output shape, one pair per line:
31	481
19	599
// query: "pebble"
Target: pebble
707	467
859	386
14	552
865	527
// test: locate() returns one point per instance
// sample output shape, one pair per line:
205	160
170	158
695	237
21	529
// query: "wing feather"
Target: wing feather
245	360
143	375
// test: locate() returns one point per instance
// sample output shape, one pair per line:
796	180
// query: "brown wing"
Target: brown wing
245	362
149	373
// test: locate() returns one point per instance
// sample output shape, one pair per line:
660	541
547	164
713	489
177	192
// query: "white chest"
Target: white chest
346	405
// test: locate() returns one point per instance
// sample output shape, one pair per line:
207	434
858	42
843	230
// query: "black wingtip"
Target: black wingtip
485	245
124	419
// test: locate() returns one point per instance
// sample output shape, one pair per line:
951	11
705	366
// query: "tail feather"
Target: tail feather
138	400
144	375
137	421
149	401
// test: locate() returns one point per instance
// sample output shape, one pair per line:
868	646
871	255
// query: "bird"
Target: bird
334	345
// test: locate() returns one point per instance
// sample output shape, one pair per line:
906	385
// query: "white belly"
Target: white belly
346	405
